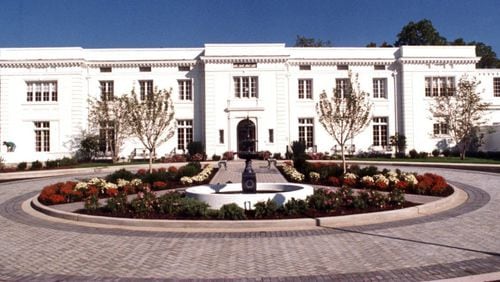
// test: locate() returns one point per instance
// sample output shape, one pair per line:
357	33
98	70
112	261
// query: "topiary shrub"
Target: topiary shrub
51	163
231	212
68	161
413	154
215	157
195	147
446	152
368	171
36	165
435	153
423	155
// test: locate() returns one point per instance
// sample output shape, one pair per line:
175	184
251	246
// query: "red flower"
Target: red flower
159	185
333	181
111	192
141	172
172	169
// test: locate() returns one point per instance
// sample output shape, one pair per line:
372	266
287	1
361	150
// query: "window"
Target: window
305	67
306	130
305	88
145	69
440	129
245	86
106	137
342	67
107	92
221	136
184	68
379	89
146	88
496	86
184	133
439	86
380	131
42	136
41	91
185	89
271	135
341	87
105	69
379	67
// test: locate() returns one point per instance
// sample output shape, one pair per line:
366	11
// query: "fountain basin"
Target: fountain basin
217	195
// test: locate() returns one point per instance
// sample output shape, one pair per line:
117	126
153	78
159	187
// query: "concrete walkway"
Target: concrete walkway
461	242
234	169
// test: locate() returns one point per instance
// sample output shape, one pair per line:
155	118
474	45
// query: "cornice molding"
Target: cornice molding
42	63
438	61
249	59
334	62
143	63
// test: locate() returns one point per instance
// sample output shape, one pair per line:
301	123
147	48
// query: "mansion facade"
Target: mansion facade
221	90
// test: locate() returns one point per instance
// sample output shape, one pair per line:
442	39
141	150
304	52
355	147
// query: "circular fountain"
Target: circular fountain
247	193
217	195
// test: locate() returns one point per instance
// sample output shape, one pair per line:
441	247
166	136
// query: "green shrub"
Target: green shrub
396	197
413	154
120	174
277	156
92	202
330	170
117	204
22	166
169	203
361	200
36	165
232	212
446	152
321	200
195	147
190	207
368	171
190	169
68	161
423	155
215	157
145	203
295	207
435	153
52	163
268	208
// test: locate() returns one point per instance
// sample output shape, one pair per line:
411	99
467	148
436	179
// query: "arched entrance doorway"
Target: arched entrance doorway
246	131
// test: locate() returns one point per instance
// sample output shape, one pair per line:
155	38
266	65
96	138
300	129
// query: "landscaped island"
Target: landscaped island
159	195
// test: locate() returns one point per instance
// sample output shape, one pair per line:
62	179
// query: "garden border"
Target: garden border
34	207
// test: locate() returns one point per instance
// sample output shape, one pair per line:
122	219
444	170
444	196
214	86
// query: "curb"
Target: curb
457	198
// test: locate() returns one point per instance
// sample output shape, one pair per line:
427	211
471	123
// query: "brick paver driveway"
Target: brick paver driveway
460	242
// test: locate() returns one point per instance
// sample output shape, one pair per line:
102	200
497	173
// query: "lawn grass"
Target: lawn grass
451	160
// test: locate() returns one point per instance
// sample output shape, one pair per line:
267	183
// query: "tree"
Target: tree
151	119
108	116
302	41
462	113
399	142
488	56
345	114
420	33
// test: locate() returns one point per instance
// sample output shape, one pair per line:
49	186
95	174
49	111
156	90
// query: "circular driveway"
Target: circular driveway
459	242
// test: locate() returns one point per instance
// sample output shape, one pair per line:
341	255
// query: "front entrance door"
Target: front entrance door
246	131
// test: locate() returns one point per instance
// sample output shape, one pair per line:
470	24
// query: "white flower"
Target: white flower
392	174
122	182
410	178
186	180
367	179
136	182
110	185
350	176
380	178
81	186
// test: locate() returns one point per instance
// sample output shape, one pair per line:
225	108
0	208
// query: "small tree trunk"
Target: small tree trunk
150	161
462	155
343	158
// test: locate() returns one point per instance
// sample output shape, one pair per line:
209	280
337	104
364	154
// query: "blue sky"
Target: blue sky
191	23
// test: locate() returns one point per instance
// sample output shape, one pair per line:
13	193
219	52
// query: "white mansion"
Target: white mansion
44	94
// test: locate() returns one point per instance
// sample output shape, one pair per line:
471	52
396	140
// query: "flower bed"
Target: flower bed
330	174
175	205
125	182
